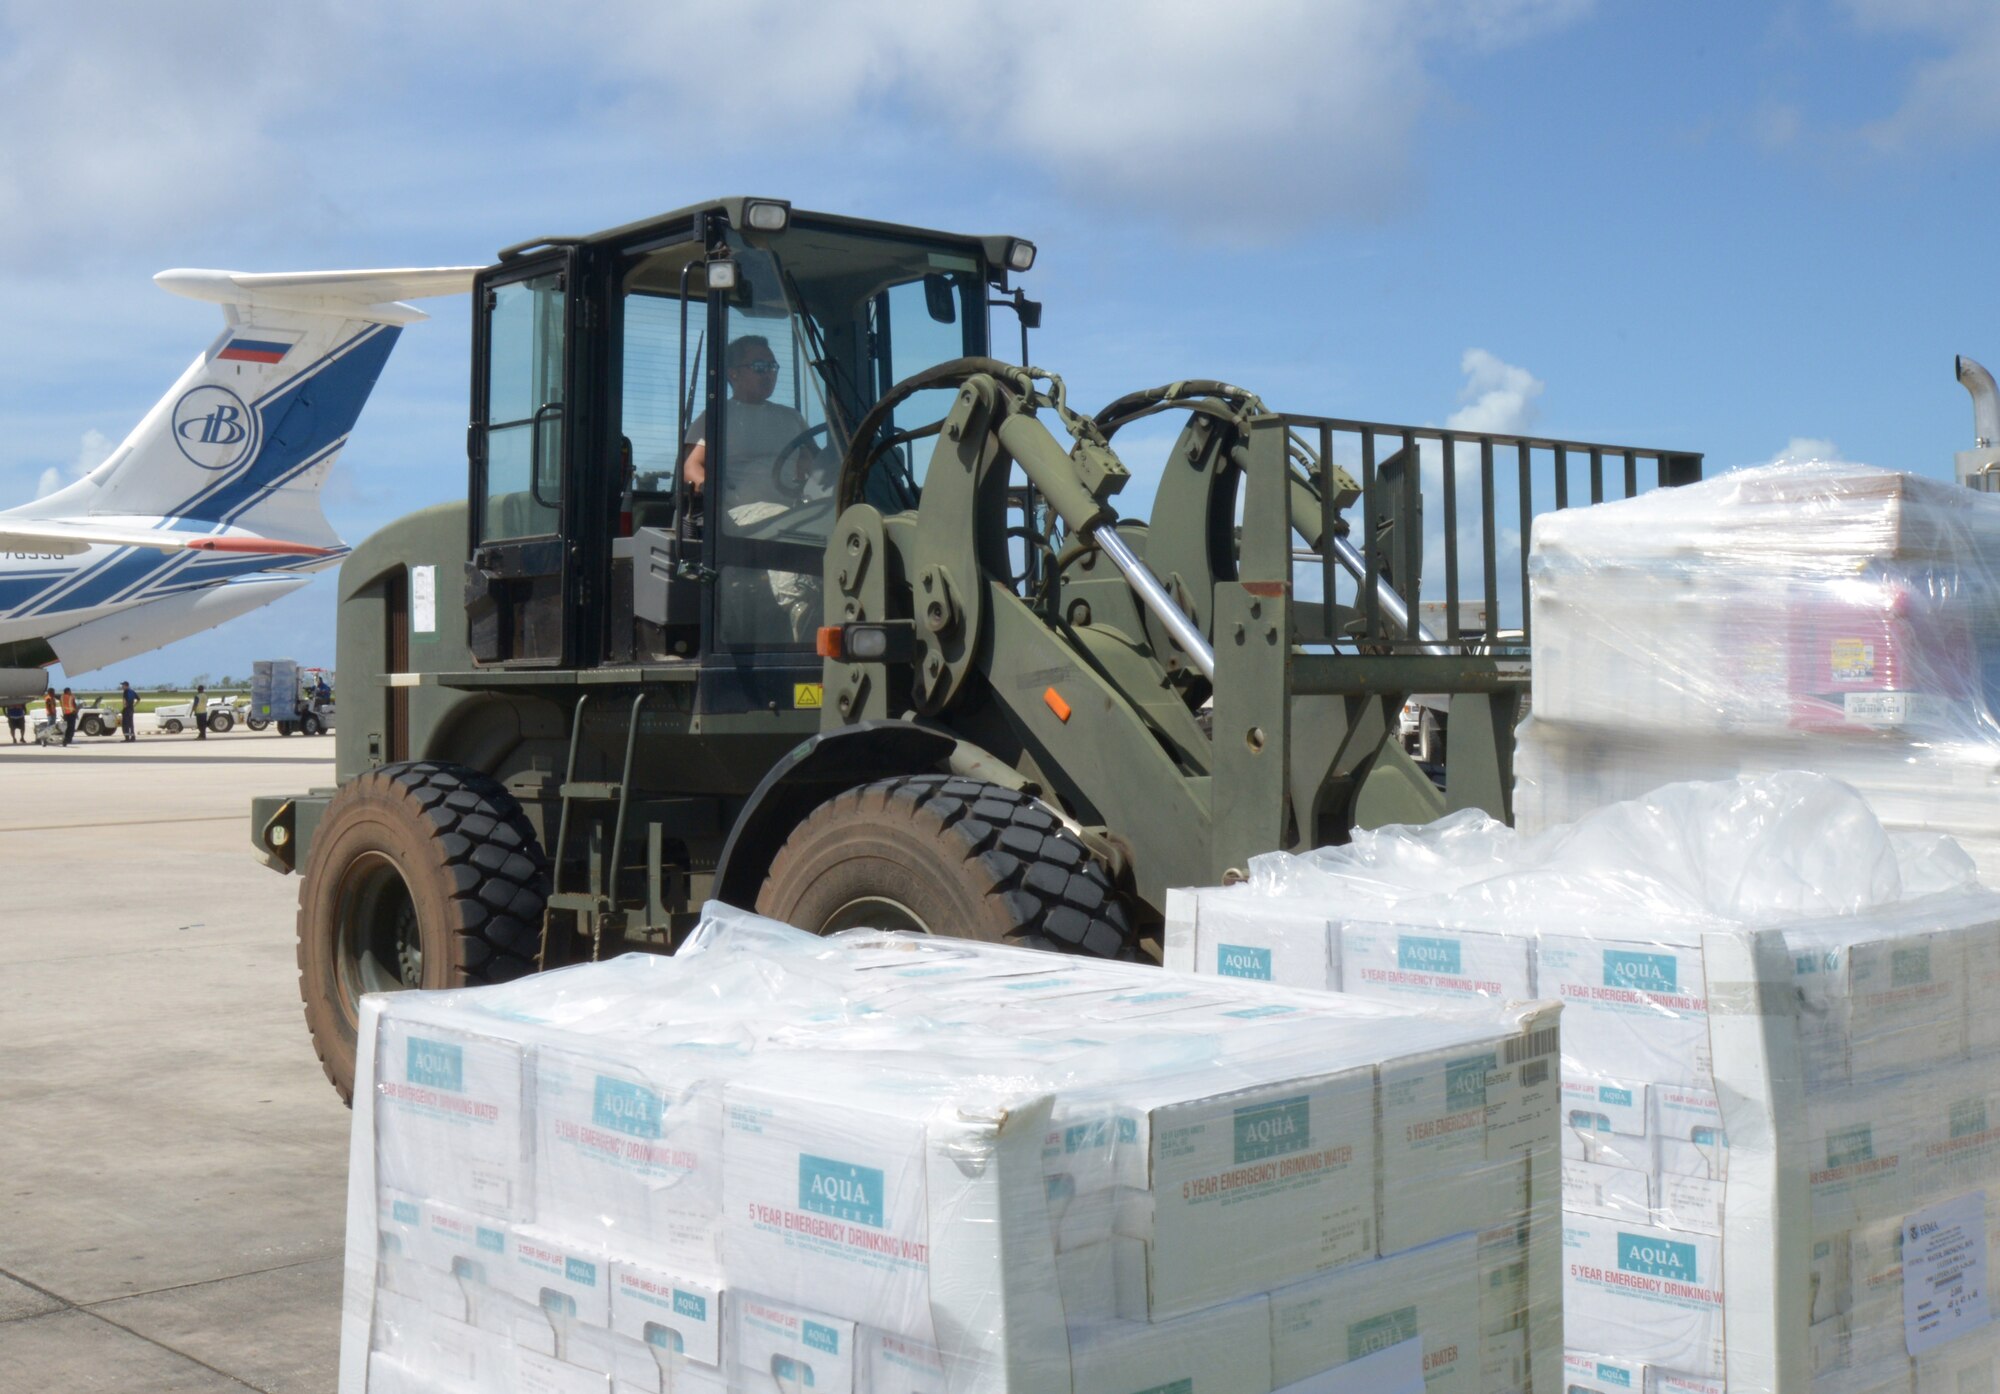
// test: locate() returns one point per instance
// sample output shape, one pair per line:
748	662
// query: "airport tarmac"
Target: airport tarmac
173	1164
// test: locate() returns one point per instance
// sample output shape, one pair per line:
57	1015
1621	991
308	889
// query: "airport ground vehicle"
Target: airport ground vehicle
93	718
299	700
898	662
177	717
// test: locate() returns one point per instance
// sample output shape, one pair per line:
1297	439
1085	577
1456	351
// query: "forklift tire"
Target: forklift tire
947	855
420	875
309	725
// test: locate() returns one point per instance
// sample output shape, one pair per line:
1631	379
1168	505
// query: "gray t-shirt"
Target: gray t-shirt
757	431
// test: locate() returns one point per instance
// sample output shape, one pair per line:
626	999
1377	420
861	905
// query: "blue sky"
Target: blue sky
1736	229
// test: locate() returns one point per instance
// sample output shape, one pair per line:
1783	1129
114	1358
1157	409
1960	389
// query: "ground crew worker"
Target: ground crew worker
17	722
49	704
68	715
126	716
200	712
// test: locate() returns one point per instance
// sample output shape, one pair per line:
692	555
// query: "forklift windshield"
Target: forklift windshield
822	321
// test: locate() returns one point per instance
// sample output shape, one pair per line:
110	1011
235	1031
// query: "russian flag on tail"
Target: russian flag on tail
245	350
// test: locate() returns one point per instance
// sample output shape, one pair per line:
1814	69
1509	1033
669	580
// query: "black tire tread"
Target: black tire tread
1016	850
495	877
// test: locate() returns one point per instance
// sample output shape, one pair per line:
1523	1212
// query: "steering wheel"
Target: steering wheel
793	463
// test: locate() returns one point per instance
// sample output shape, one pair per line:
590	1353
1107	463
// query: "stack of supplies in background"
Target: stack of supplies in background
1824	617
1779	1061
892	1164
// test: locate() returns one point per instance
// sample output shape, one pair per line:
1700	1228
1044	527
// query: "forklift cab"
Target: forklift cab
659	415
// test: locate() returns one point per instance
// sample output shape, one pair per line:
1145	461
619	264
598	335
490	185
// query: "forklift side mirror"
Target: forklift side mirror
939	300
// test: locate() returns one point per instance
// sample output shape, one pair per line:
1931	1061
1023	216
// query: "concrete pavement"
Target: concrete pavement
172	1162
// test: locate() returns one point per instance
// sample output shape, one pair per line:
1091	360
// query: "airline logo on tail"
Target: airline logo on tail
213	427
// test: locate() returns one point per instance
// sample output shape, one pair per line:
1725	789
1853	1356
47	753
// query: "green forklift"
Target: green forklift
776	584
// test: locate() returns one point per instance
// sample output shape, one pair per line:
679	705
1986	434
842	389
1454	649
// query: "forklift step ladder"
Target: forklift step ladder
593	905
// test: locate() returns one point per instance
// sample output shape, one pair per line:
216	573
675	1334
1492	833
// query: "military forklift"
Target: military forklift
775	584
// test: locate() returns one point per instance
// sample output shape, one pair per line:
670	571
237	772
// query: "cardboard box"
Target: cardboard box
1653	1295
1503	1363
893	1364
1880	1006
1607	1122
1688	1202
1252	1189
387	1375
1601	1374
678	1314
1415	962
569	1281
1674	1382
1631	1009
1239	934
1220	1350
625	1160
776	1346
461	1242
1437	1178
1982	989
1957	1127
437	1348
1611	1192
1503	1278
1858	1161
450	1116
1692	1139
1429	1295
544	1374
890	1210
1088	1278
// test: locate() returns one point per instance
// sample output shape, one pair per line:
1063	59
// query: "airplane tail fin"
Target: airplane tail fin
249	432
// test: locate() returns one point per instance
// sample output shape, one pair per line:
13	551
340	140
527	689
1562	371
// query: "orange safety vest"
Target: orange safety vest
69	703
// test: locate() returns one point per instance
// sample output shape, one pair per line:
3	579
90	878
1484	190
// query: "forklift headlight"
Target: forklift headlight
866	643
1020	255
767	217
722	274
887	641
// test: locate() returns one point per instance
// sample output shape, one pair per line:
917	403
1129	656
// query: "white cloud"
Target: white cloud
162	120
93	450
1497	396
1952	98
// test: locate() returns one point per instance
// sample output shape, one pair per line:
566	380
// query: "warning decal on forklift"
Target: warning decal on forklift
806	694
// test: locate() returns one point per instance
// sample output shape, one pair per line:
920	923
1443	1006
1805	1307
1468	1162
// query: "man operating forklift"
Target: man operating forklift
768	473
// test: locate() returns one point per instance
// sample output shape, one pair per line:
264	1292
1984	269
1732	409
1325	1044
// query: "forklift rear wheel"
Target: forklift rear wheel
421	875
945	855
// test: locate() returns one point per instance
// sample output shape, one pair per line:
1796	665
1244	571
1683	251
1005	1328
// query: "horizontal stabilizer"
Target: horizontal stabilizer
66	537
367	295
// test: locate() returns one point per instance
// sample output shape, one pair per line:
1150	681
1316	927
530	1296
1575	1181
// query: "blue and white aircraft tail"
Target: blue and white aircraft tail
210	508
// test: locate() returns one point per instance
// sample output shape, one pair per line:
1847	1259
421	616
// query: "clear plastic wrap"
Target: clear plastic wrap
1815	616
1779	1052
878	1162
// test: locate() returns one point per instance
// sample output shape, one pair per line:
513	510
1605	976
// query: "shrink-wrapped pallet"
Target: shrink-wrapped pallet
1778	1067
1826	617
879	1164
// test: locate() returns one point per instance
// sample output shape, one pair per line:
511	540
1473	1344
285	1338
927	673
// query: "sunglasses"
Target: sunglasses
760	365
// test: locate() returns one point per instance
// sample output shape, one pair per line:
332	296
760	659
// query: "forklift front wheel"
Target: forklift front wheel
942	854
421	875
